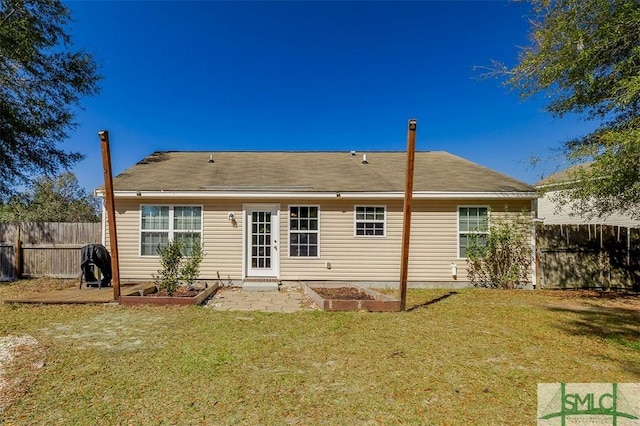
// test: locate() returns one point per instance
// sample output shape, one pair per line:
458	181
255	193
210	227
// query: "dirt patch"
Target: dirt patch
180	292
342	293
114	330
21	288
151	289
21	357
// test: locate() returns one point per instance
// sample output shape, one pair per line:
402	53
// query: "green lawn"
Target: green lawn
475	357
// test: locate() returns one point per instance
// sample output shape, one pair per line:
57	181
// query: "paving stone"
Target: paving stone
233	299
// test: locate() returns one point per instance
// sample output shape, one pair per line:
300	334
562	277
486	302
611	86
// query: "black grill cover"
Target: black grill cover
98	255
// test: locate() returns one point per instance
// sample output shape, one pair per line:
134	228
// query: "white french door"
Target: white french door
262	234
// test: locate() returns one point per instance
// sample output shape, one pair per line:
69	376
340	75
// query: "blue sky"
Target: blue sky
339	76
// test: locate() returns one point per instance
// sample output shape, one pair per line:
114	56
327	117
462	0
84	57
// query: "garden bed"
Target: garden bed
348	297
180	298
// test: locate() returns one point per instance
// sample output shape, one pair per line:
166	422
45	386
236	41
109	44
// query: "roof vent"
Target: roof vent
364	159
352	153
211	158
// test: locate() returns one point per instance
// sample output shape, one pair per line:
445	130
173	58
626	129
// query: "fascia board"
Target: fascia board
423	195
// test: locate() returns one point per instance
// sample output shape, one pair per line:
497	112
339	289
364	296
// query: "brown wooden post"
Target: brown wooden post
111	211
406	221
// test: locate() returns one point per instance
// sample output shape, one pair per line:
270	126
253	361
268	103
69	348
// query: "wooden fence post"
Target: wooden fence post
17	259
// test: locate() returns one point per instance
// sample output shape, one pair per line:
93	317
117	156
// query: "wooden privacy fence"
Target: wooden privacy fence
44	249
588	256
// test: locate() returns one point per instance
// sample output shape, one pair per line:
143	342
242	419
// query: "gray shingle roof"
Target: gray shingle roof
562	176
310	172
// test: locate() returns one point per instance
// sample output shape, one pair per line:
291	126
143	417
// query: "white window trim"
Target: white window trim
355	221
289	231
480	206
170	231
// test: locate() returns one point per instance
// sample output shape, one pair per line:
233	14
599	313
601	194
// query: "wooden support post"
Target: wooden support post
111	211
406	221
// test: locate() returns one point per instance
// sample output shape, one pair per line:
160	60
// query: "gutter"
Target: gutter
420	195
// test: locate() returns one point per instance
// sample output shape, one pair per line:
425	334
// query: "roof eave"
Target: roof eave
421	195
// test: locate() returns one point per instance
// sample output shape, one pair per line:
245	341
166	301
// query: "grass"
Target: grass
475	357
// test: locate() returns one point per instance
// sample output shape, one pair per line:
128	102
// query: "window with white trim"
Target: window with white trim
161	224
370	221
473	223
303	231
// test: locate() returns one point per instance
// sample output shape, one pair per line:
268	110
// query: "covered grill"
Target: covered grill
95	255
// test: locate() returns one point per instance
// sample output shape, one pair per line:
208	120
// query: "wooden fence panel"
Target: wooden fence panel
7	260
8	233
52	261
50	249
60	233
588	256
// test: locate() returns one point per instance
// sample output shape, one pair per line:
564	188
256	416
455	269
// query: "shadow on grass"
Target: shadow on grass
432	301
627	296
615	324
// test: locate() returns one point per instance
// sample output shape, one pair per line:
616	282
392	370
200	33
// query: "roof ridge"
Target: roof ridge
291	151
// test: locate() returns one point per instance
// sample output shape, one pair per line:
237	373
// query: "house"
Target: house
327	216
552	213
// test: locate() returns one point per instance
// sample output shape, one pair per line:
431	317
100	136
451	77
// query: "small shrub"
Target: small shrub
168	277
176	270
191	267
505	261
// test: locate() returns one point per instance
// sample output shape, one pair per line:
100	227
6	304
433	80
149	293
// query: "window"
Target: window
161	224
303	231
473	222
370	221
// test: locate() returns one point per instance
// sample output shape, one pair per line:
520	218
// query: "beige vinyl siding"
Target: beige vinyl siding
222	240
434	240
352	258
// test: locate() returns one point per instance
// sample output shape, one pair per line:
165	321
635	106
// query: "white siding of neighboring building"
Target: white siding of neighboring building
552	216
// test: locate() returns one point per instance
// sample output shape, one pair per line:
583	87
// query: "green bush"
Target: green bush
191	267
505	261
177	270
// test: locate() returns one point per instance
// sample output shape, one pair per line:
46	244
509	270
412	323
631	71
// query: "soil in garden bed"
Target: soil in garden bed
180	292
342	293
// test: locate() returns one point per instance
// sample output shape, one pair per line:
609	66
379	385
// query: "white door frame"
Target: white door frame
247	211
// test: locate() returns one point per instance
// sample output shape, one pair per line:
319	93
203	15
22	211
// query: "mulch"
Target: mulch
180	292
342	293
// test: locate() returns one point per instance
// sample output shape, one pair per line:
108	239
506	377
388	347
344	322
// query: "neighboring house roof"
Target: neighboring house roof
312	172
563	176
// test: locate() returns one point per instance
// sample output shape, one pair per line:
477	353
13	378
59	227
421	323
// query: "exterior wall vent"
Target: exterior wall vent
352	153
211	158
364	159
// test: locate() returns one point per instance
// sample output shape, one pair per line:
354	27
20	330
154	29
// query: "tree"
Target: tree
41	80
58	199
585	56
